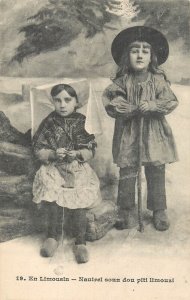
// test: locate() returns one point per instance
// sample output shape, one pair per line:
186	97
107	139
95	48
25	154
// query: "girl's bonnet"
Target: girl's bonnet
140	33
42	102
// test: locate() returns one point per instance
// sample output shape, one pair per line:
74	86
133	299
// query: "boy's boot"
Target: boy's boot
51	243
160	220
156	196
126	199
80	250
127	219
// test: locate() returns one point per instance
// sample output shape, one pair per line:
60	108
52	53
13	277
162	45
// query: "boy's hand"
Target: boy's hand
146	106
122	106
118	101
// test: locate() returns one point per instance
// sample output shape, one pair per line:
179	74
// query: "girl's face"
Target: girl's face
64	103
139	56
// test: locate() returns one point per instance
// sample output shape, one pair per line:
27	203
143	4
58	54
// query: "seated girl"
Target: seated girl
65	179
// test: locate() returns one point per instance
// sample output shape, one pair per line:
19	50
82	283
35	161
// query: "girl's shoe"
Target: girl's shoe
160	220
49	247
81	253
128	220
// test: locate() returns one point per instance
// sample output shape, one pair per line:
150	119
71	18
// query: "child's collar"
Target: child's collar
121	81
74	114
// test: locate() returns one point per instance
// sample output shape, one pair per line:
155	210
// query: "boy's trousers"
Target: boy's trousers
156	193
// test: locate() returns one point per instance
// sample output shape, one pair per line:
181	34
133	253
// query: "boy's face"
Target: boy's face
139	56
64	103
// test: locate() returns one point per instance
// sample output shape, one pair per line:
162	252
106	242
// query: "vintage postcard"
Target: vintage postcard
94	149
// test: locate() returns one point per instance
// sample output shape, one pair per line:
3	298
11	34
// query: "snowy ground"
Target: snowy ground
120	254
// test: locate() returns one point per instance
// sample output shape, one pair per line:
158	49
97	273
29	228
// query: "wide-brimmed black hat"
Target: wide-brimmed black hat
140	33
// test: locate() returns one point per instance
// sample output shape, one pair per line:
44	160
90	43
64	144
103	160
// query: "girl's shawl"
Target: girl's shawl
68	132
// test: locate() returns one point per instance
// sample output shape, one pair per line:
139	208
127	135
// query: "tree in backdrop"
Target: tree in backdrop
61	21
58	23
170	17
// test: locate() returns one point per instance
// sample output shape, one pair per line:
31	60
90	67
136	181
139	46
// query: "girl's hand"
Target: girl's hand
71	155
61	153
